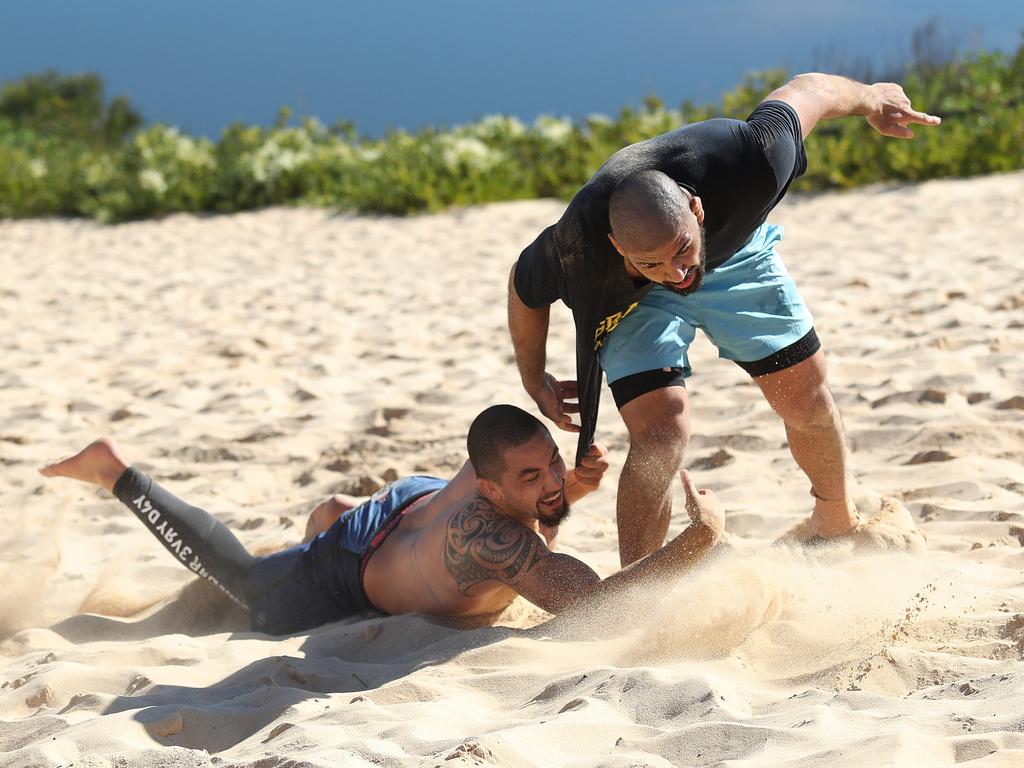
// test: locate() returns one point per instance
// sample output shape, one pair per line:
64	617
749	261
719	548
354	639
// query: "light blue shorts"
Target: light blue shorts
749	308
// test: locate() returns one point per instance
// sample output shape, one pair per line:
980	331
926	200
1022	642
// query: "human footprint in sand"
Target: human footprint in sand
670	235
460	548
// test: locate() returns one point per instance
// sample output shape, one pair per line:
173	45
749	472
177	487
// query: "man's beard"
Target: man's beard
699	270
553	519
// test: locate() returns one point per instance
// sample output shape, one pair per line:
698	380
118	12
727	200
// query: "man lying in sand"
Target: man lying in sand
461	548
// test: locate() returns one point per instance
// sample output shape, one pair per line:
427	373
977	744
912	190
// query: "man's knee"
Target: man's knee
809	408
800	394
658	422
323	516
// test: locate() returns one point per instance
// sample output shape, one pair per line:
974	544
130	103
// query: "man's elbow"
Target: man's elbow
513	292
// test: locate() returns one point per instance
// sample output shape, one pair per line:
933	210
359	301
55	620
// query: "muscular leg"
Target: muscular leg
203	544
659	428
800	395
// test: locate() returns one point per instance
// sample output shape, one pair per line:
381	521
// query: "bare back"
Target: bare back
450	555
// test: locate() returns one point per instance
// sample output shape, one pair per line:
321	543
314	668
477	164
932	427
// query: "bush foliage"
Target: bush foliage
64	151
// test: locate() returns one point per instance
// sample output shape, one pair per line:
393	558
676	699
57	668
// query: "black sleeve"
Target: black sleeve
775	127
538	271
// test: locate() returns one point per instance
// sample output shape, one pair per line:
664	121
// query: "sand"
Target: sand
255	363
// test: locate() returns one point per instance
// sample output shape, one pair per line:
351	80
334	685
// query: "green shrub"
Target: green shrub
64	152
71	106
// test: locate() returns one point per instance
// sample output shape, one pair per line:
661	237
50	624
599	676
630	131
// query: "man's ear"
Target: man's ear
489	490
616	244
697	209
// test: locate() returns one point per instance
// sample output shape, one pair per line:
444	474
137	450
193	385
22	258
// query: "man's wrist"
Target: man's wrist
574	489
868	100
711	529
533	384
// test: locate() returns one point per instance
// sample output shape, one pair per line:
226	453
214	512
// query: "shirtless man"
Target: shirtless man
464	548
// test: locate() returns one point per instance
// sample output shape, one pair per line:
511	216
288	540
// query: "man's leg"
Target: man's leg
326	514
753	312
800	395
200	542
645	360
659	428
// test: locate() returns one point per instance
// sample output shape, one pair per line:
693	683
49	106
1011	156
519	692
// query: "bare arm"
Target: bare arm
677	557
816	97
529	331
483	546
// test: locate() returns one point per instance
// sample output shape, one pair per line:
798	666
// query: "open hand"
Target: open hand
703	506
552	399
893	113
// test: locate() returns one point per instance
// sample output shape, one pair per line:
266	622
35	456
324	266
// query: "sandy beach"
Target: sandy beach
256	363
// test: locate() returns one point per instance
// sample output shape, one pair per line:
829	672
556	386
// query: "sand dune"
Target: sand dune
256	363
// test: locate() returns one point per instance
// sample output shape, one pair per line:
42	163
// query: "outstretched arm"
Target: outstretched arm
482	546
886	107
675	558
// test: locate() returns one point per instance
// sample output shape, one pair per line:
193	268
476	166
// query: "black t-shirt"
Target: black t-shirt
739	169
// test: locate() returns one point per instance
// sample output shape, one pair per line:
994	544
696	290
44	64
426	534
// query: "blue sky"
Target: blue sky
200	64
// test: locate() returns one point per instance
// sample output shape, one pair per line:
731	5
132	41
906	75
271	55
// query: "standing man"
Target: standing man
669	236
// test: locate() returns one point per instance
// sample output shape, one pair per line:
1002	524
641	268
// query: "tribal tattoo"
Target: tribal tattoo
483	545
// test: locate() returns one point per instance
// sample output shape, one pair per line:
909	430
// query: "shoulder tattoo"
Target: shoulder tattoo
483	545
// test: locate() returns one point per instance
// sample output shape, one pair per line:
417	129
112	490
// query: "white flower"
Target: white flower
469	151
152	180
37	167
335	150
494	127
272	159
288	159
553	129
193	152
367	154
99	171
159	145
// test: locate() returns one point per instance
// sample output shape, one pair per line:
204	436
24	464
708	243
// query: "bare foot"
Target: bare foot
99	463
326	513
834	517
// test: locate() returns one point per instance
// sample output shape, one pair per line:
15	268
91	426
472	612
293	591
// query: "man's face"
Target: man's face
680	263
533	484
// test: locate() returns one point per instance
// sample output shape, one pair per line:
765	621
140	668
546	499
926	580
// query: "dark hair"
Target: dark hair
644	210
494	431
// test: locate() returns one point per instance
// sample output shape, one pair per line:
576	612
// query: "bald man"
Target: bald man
670	235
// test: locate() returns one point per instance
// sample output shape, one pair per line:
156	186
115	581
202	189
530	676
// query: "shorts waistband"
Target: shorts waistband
385	510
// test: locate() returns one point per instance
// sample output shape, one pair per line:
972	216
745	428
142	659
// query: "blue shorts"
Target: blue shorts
749	308
322	580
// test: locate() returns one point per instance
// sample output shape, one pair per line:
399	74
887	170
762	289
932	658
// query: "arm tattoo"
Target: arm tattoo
483	545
